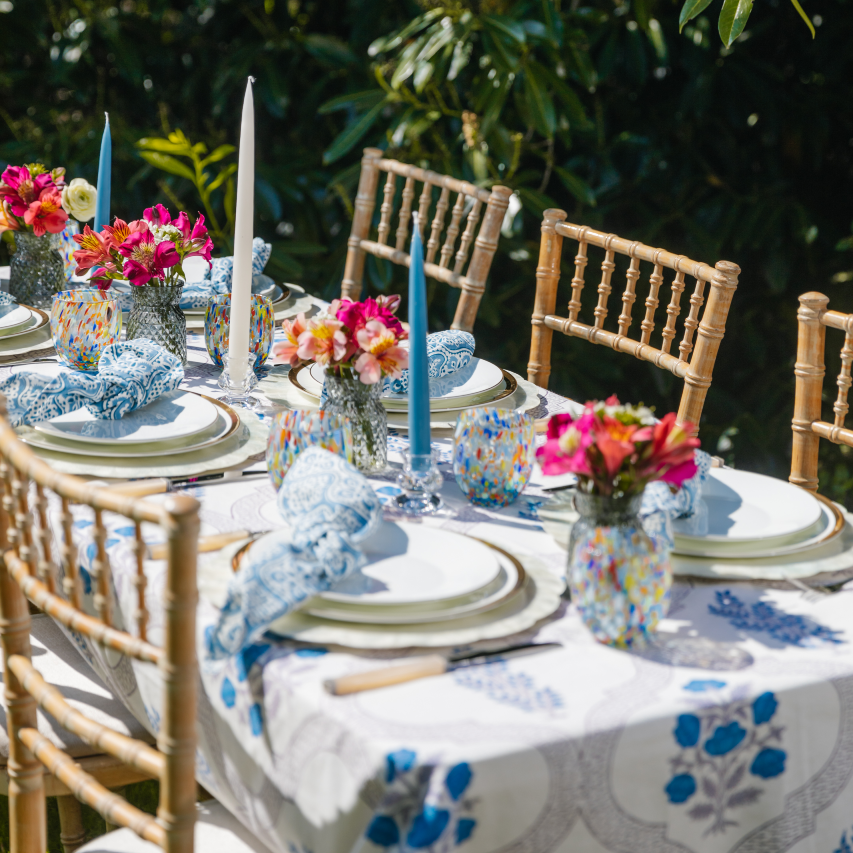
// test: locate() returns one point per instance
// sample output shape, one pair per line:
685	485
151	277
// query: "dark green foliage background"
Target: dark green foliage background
661	140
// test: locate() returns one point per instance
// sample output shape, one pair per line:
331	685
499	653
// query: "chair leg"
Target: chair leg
111	827
71	831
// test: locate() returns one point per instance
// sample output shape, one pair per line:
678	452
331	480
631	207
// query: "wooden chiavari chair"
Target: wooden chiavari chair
813	317
693	364
28	571
468	203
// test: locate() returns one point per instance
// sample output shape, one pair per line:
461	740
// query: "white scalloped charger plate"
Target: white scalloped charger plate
539	599
14	318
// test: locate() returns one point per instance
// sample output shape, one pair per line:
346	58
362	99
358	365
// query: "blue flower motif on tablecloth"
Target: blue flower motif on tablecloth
529	508
845	846
789	628
725	739
517	689
687	731
419	811
680	788
702	685
725	749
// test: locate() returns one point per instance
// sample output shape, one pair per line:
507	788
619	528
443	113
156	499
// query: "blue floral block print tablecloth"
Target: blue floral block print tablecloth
732	732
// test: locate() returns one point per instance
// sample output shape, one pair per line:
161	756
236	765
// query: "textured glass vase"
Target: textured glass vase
37	271
348	397
618	576
156	314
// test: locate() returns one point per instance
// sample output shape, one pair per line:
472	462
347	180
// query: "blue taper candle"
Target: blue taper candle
418	376
105	168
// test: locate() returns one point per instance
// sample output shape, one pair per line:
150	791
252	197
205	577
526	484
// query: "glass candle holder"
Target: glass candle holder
294	430
493	454
238	384
420	481
83	323
217	322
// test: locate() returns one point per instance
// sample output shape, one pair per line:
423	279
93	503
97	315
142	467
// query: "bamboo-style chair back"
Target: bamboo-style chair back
694	363
28	570
813	318
444	261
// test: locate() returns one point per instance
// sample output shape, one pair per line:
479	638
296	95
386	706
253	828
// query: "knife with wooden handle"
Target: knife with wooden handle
425	667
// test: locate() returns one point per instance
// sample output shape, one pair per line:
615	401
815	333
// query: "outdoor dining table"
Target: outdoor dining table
732	730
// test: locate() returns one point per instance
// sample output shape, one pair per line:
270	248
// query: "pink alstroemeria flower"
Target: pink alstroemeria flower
565	448
381	353
46	214
94	249
287	351
20	189
7	221
120	230
356	315
145	258
196	242
157	215
323	341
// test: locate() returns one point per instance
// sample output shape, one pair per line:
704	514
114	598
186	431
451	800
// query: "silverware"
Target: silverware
427	666
139	488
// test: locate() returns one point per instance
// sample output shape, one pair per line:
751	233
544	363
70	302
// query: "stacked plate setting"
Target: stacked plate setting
176	423
479	383
17	320
755	527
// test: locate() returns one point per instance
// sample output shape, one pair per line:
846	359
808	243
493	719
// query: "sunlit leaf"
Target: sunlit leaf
357	100
690	10
154	143
168	164
223	176
345	140
408	60
218	154
423	73
733	18
386	43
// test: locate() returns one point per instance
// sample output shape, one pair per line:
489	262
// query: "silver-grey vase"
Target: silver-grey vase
156	314
360	404
37	270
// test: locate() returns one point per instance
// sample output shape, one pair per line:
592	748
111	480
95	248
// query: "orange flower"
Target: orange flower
286	351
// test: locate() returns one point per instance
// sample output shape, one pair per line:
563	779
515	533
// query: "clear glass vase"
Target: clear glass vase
348	397
619	577
37	270
156	315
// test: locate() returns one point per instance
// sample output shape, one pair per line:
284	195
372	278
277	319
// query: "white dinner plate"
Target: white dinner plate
38	319
743	506
476	378
15	318
828	526
507	583
226	424
178	414
410	564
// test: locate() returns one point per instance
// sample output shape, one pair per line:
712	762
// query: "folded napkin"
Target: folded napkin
129	375
660	507
330	508
447	353
217	279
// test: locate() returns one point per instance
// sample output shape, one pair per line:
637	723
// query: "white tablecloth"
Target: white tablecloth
733	732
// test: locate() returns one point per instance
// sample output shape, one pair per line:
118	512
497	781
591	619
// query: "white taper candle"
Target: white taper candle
244	226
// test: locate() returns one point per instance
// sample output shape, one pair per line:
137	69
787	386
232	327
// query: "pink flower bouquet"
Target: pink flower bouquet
359	339
31	199
150	250
618	449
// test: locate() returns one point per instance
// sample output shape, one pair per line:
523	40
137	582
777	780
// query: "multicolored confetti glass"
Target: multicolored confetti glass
493	454
619	577
66	245
295	429
216	324
84	322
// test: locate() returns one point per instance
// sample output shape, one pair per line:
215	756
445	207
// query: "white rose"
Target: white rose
79	199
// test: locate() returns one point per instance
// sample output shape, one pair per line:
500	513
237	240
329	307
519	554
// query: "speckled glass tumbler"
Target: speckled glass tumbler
294	430
217	321
83	323
493	454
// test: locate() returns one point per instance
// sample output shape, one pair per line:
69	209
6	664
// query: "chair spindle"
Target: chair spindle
452	231
437	224
652	302
68	556
405	213
581	261
387	207
691	321
630	294
140	582
100	570
672	312
45	568
841	406
467	236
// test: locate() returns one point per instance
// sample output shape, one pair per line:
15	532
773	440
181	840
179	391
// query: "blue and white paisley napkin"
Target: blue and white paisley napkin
330	508
660	507
129	375
447	353
217	279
